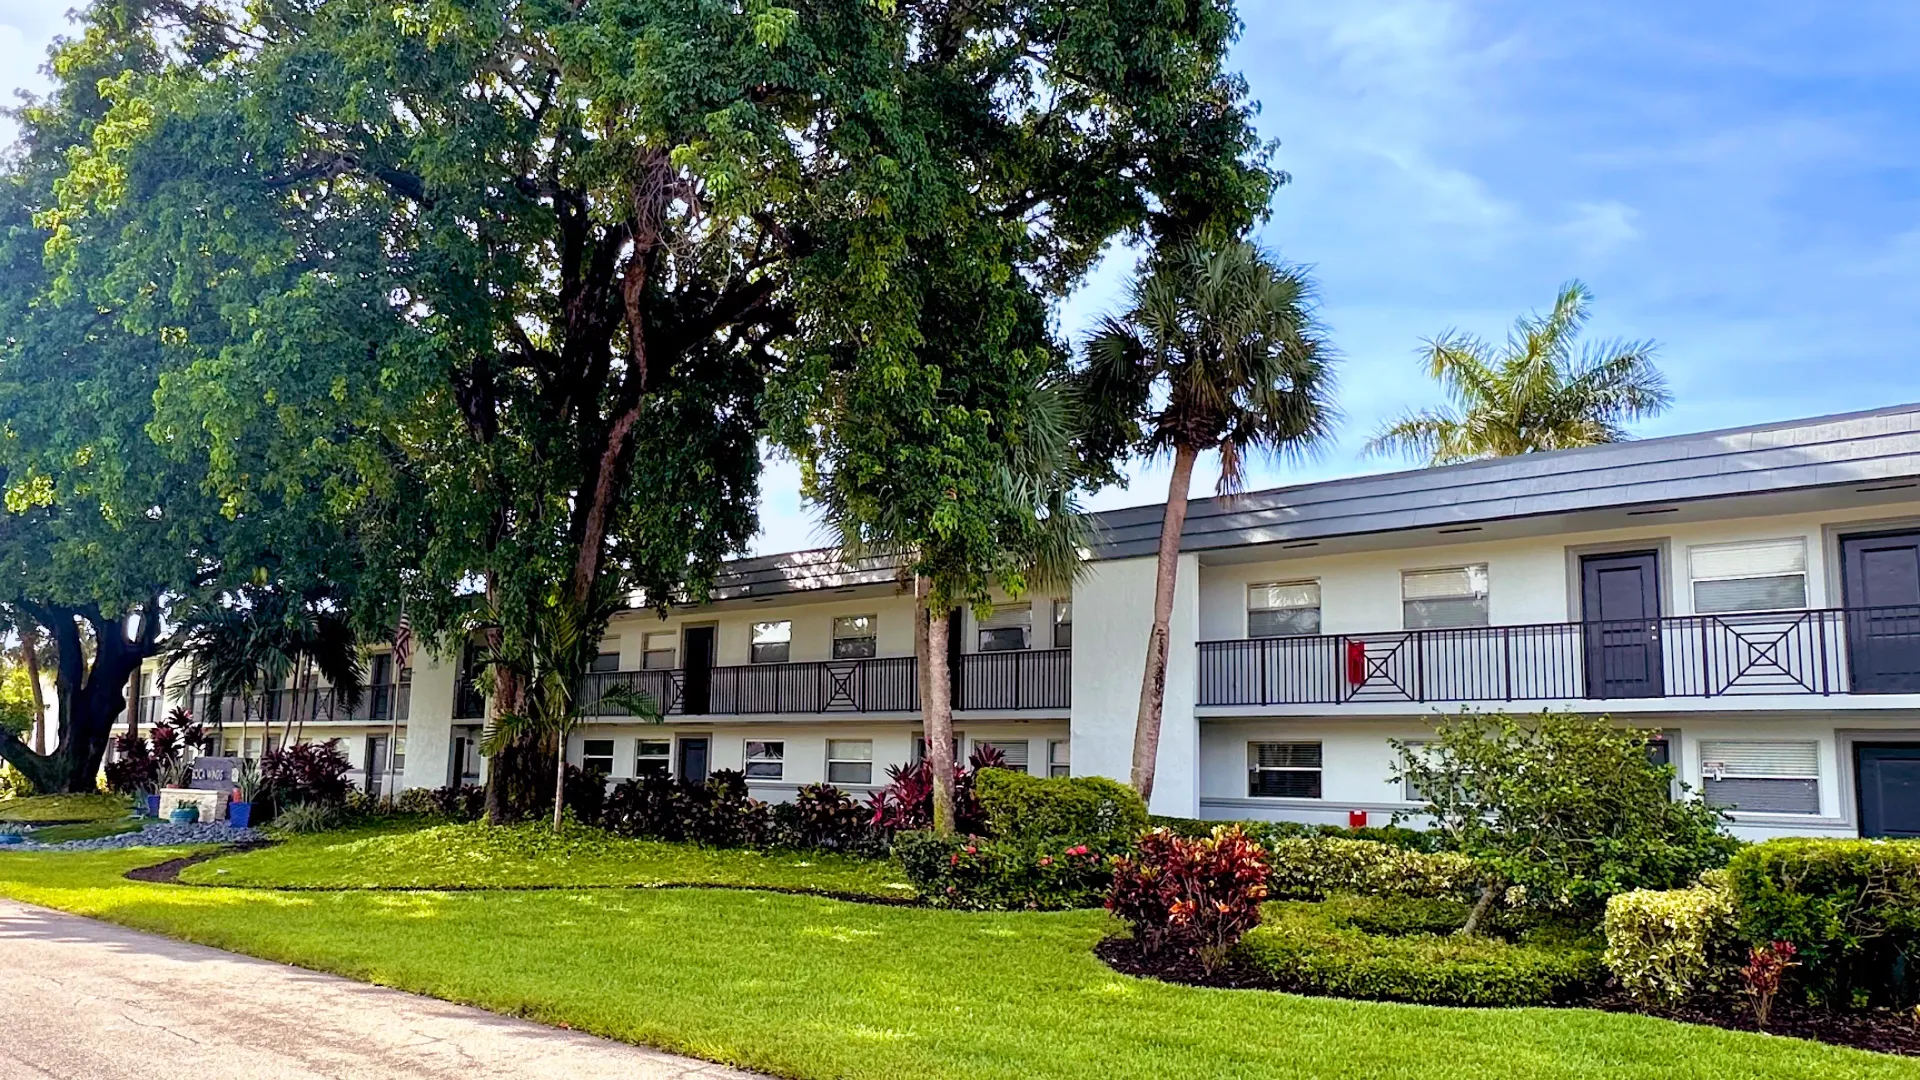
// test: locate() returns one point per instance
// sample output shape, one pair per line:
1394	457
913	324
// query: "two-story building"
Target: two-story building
1753	594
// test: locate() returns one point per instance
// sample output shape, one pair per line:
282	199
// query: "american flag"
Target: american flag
402	643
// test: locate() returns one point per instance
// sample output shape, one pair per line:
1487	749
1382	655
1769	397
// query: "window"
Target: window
772	641
1770	575
606	661
1409	790
1444	599
652	757
766	760
661	648
400	755
1057	762
1761	777
1283	609
854	637
596	755
1283	770
849	761
1006	629
920	747
1015	753
1063	624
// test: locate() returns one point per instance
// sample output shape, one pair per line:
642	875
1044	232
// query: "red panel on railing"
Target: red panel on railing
1356	662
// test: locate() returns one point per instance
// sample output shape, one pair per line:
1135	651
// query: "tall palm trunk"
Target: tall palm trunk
1153	681
29	640
936	703
559	777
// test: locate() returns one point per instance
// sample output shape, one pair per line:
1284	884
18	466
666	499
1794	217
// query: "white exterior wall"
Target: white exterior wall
1113	613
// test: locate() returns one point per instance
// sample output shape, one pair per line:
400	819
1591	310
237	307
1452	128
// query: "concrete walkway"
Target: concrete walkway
86	1000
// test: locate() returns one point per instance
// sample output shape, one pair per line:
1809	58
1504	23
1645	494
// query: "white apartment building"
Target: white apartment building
1753	594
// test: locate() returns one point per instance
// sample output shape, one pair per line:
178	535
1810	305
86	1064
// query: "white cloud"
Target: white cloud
1600	227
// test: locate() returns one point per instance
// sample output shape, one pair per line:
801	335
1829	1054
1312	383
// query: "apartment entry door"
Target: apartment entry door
1620	616
693	759
376	764
1888	776
696	686
1881	582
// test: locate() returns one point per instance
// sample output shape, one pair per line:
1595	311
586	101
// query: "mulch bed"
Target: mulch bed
1887	1031
168	873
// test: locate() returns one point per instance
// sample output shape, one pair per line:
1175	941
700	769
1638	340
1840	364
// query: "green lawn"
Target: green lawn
474	857
811	987
36	809
90	830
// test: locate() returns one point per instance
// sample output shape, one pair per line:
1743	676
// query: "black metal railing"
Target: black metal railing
469	701
377	704
1036	679
1822	652
1016	679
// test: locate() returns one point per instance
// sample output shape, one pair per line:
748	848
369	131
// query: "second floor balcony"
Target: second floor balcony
990	681
1784	653
378	705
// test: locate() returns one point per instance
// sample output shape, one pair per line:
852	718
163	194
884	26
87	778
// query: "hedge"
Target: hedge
1393	950
1666	946
1320	866
1850	907
978	874
1085	809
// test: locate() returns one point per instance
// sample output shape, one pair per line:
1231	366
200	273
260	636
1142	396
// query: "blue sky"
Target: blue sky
1738	181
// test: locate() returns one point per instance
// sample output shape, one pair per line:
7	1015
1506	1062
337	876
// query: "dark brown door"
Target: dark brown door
696	691
693	759
1881	582
1620	613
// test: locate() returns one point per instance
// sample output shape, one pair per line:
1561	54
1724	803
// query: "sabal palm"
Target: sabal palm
1219	351
1541	391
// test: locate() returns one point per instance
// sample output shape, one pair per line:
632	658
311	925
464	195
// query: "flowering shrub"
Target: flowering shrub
1196	897
979	874
1666	946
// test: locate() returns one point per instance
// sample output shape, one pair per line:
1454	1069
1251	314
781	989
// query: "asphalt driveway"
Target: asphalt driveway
86	1000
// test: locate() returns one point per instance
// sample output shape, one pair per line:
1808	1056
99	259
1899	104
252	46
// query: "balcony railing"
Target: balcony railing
1824	652
1039	679
377	705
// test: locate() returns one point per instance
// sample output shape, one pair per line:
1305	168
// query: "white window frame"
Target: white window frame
1059	757
1062	605
605	661
1254	768
783	627
640	757
1713	769
1026	752
836	755
871	636
588	757
1256	588
1793	549
652	649
773	752
1477	574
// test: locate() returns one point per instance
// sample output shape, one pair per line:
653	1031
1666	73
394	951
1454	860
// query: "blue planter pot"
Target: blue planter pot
153	806
239	814
184	815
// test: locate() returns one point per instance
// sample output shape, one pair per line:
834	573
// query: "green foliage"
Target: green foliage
306	818
1665	946
978	874
1534	394
1568	807
1384	950
86	830
64	809
254	640
1266	832
1851	908
1310	868
1081	809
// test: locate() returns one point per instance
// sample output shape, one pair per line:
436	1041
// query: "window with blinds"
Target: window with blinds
1283	609
855	637
1761	777
1007	629
661	647
1015	752
652	757
1283	770
1764	575
1444	599
596	755
849	761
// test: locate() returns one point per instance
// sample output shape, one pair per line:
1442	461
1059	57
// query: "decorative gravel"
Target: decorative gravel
159	834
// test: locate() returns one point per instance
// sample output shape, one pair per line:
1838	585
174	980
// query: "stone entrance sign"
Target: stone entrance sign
213	773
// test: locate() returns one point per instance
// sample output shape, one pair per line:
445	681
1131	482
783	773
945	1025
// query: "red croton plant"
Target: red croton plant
1191	896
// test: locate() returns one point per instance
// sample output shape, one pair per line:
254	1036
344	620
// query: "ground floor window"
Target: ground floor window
596	755
1058	764
849	761
920	747
1283	770
1761	777
1015	753
652	757
766	760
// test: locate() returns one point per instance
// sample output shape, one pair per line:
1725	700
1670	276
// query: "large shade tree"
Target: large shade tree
504	280
1218	351
1541	390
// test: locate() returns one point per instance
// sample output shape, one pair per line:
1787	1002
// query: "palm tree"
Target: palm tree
1219	350
1533	394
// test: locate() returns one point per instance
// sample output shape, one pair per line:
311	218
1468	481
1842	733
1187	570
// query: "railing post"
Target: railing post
1506	663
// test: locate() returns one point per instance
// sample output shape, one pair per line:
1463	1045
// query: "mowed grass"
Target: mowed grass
531	856
36	809
810	987
91	830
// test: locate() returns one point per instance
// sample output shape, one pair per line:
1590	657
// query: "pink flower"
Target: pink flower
1046	860
971	850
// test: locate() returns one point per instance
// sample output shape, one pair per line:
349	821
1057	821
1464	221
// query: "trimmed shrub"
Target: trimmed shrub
1344	948
978	874
718	813
456	802
1667	946
1090	809
1850	907
1317	867
823	817
1265	833
1196	897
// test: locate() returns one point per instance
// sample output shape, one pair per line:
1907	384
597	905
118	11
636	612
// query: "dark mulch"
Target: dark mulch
1887	1031
168	873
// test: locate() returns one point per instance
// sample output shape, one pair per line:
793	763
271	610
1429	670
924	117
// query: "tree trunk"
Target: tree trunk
1153	681
1480	907
937	711
90	698
29	648
559	779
